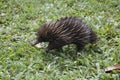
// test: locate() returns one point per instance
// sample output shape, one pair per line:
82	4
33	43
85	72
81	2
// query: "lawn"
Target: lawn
19	21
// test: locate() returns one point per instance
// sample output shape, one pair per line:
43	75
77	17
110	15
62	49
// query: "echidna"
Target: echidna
67	30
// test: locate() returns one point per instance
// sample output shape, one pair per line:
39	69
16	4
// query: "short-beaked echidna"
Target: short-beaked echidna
67	30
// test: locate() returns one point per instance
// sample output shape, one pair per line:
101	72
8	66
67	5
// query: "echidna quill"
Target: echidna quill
67	30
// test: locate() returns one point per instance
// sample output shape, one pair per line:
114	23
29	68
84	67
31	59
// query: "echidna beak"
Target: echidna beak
34	43
37	44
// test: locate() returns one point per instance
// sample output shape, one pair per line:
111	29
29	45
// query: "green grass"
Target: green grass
19	20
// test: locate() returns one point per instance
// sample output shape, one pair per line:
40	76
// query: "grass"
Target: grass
19	20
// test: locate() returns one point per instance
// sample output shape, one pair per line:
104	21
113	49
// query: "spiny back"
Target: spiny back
67	30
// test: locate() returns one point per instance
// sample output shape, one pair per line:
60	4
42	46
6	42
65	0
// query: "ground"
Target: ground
19	21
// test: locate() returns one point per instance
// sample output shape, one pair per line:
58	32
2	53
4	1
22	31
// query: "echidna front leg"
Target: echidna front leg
59	49
52	46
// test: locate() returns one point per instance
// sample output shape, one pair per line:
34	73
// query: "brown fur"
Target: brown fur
67	30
